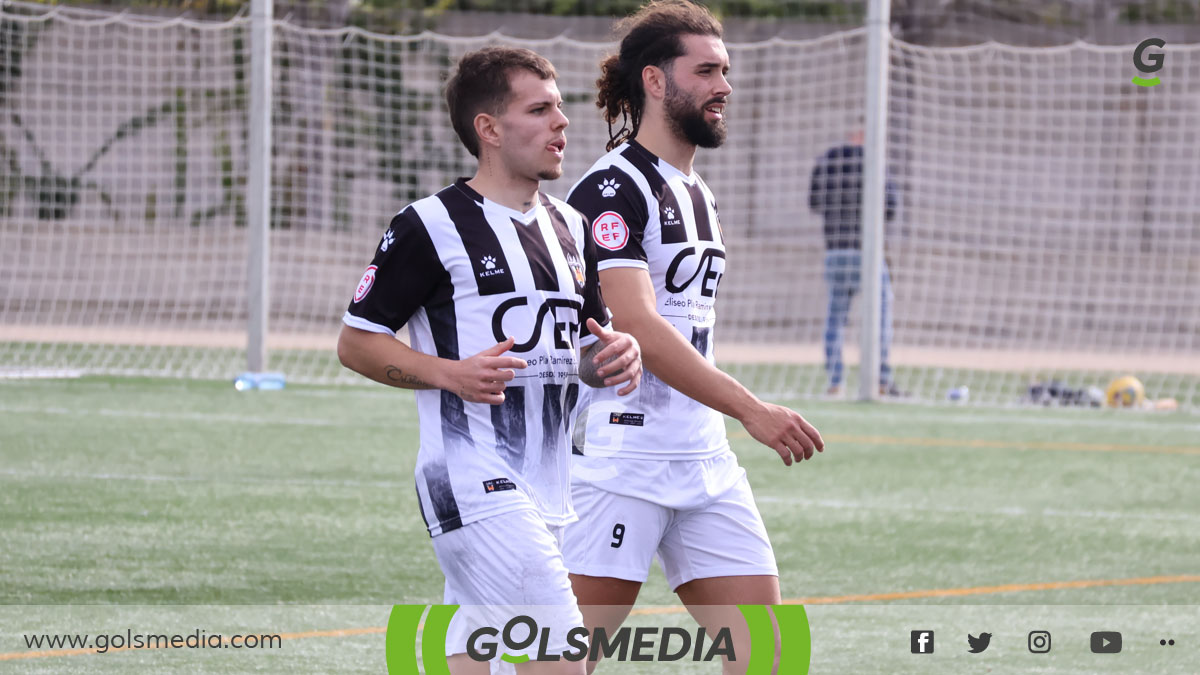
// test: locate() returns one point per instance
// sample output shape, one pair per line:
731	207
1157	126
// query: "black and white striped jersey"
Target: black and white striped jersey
465	273
645	213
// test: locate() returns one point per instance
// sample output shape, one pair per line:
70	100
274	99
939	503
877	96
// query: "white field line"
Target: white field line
1126	419
40	374
222	479
194	417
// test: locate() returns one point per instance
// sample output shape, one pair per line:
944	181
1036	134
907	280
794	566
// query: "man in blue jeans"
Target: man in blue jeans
835	192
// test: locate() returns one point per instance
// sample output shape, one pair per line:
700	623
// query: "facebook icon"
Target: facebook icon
922	642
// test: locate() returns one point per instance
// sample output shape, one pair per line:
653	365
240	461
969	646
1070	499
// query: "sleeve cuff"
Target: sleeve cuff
616	263
588	340
362	324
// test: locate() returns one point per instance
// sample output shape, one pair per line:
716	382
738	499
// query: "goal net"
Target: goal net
1047	224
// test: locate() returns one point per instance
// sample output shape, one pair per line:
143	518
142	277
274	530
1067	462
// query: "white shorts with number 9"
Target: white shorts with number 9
698	516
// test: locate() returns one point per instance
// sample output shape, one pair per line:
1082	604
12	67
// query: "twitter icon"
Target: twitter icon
979	644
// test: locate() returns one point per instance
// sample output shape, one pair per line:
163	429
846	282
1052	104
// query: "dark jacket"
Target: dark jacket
836	193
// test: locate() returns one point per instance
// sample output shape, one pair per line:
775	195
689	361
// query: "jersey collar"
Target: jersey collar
661	164
489	205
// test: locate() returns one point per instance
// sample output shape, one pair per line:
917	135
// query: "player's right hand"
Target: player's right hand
481	378
785	431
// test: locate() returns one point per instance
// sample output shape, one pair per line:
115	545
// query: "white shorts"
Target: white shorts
506	566
698	516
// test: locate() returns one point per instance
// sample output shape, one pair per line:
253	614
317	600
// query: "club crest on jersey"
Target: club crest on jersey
608	187
610	231
388	239
576	268
489	267
668	217
365	284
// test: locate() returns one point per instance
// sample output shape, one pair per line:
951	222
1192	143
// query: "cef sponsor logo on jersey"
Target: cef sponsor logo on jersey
610	231
365	284
709	268
564	320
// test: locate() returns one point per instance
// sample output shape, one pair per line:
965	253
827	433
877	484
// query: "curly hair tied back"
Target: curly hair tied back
653	37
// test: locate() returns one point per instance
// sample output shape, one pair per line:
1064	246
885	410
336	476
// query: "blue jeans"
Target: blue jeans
842	279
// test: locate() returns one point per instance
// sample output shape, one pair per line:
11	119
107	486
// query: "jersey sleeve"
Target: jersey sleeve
615	215
401	278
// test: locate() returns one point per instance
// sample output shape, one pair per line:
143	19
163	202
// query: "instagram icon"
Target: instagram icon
1039	641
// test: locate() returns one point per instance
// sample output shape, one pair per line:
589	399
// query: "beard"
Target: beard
687	119
551	174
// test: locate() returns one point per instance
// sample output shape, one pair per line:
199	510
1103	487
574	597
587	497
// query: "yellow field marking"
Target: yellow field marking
988	590
1013	445
957	592
13	656
344	632
677	609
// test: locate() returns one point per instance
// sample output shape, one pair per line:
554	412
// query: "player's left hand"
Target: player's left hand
783	430
626	355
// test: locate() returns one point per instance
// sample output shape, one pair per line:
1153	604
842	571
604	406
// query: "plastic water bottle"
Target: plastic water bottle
260	381
271	381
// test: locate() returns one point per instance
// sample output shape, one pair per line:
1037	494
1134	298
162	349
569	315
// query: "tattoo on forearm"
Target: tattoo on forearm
396	375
